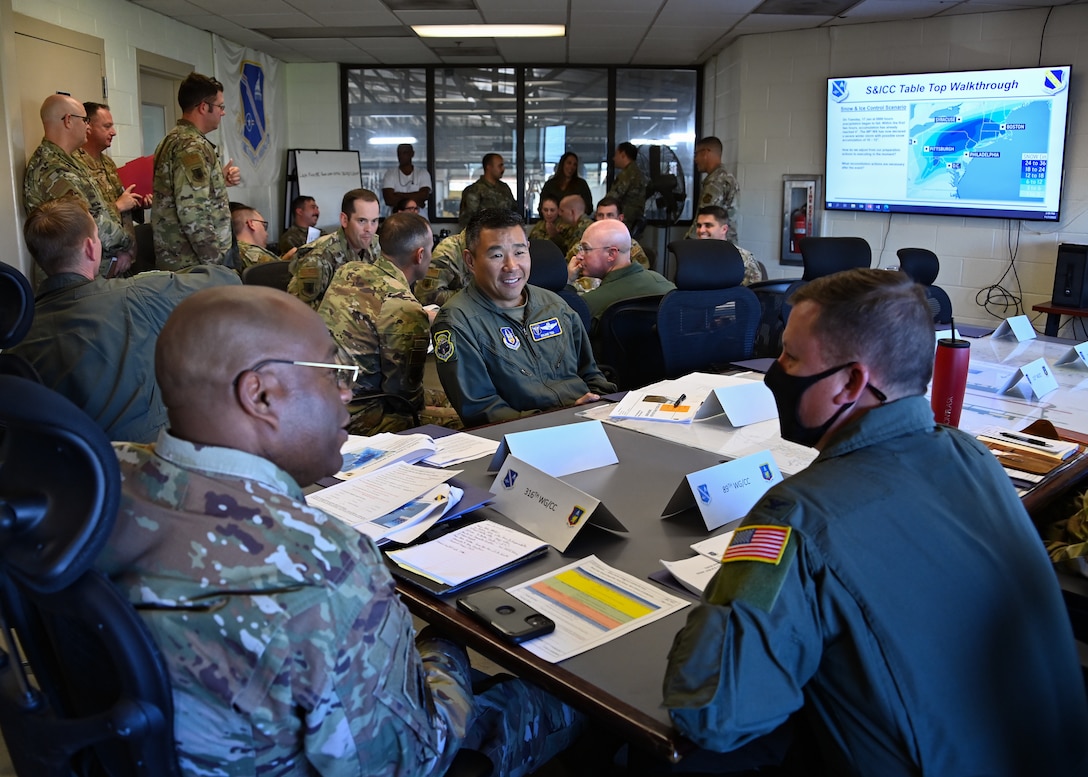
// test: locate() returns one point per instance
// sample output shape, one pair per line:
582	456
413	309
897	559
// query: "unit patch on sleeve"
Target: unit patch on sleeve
443	345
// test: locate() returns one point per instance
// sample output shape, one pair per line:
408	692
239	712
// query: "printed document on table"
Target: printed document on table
363	454
591	603
471	552
460	447
364	498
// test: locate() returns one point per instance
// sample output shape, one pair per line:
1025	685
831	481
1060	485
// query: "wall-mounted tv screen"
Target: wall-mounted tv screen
983	143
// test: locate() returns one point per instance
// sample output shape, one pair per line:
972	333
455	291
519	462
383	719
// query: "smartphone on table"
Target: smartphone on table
505	614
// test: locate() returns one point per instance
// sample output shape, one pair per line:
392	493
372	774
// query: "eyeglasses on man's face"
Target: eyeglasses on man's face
85	119
346	374
586	249
220	106
259	221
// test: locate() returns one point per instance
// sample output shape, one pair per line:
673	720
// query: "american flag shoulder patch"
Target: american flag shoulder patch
758	543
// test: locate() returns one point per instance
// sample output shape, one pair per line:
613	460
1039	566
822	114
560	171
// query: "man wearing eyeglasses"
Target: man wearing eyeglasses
190	213
288	649
605	253
54	171
251	232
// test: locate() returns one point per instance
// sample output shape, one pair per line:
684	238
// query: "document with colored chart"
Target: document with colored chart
591	603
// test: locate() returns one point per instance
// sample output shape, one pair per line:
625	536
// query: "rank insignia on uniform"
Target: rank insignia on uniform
575	515
704	493
508	480
443	345
509	339
542	330
765	470
758	543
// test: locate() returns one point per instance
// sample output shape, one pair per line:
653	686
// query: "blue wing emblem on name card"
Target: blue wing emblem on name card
704	493
765	471
839	91
251	86
508	481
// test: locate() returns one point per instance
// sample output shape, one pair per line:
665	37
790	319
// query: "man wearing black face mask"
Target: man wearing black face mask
896	588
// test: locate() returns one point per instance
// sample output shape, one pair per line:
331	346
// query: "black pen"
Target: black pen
1026	440
679	399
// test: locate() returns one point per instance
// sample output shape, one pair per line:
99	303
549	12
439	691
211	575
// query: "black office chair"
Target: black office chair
825	256
625	342
549	271
16	316
274	274
101	702
144	258
710	319
772	302
922	265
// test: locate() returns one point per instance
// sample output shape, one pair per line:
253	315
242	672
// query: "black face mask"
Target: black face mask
788	390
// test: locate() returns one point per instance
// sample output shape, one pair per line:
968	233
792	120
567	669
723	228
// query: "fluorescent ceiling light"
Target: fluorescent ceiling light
490	30
391	141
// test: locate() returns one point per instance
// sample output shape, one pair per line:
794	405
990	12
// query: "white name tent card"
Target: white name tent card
744	403
551	509
1040	378
559	450
1077	355
726	492
1020	326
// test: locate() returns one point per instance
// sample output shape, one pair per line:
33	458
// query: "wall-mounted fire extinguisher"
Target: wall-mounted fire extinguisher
798	228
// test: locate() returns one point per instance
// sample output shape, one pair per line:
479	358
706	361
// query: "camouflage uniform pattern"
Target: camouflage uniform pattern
295	237
638	255
52	173
630	190
539	231
447	274
104	172
288	649
719	188
752	273
572	235
190	214
251	254
314	264
379	325
483	194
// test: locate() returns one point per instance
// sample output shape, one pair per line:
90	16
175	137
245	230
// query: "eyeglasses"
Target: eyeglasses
584	249
85	119
346	374
220	106
262	223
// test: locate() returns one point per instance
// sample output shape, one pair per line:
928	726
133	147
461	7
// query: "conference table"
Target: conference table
619	683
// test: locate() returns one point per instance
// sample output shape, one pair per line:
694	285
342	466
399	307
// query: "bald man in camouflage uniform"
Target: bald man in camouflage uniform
288	650
53	172
572	214
372	315
718	188
488	191
190	214
314	264
447	274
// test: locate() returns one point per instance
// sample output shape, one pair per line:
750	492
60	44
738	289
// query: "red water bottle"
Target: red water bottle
949	379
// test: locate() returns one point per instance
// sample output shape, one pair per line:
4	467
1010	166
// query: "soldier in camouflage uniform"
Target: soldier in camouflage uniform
54	171
314	264
487	192
711	224
305	214
190	214
630	185
380	326
447	274
251	233
572	212
100	134
288	649
550	226
718	188
609	208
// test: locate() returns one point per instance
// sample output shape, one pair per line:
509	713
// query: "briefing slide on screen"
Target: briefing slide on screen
979	141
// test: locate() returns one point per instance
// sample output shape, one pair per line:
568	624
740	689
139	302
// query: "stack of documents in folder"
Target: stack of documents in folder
1027	452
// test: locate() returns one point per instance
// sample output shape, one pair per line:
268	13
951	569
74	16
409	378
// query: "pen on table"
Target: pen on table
1026	440
679	399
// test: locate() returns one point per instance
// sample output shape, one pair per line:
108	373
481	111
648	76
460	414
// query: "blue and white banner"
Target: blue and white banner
253	132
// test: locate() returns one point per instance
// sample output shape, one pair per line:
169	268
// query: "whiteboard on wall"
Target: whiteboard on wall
324	175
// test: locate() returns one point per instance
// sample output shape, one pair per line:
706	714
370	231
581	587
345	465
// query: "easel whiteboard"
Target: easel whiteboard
324	175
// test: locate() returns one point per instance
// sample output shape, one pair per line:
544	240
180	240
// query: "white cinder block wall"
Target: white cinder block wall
765	98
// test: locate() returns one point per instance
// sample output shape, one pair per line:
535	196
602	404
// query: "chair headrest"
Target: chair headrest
921	264
16	306
707	264
549	266
828	255
59	486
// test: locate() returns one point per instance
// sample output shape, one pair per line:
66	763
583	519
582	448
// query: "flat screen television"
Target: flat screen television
980	143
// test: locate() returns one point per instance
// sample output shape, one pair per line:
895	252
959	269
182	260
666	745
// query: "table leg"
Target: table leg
1053	321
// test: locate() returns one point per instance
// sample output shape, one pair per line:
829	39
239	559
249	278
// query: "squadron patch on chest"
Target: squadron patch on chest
509	339
542	330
